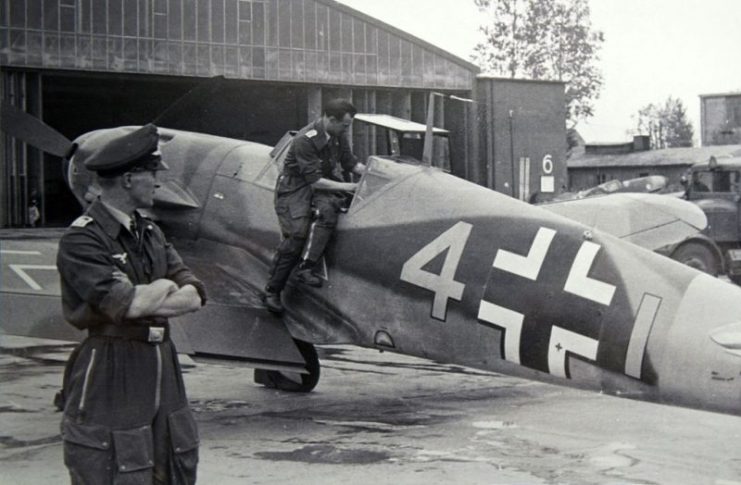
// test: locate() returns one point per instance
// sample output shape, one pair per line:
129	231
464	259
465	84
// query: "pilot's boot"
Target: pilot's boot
271	299
305	275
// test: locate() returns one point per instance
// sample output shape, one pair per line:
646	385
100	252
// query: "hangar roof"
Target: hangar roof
653	158
403	34
307	41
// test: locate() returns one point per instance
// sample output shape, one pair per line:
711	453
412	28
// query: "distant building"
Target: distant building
720	119
599	164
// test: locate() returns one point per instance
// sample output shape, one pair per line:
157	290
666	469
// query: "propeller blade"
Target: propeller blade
195	111
33	131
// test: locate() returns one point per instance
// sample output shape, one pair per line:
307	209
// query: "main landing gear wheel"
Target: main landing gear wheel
293	381
698	256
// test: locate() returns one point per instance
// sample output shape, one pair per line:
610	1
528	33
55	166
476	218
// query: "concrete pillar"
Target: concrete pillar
401	104
371	107
420	100
473	159
439	111
488	131
384	104
313	103
4	202
36	175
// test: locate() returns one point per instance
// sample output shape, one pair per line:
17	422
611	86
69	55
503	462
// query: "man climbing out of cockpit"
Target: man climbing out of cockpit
309	195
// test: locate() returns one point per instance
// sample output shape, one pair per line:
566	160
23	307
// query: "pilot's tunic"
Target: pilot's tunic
313	154
109	380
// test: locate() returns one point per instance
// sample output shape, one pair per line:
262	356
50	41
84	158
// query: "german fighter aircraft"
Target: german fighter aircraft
430	265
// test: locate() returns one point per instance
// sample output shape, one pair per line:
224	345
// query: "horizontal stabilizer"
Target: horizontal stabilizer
35	315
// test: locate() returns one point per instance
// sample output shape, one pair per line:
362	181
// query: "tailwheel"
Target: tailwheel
293	381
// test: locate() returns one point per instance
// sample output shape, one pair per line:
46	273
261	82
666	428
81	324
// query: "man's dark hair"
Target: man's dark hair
338	108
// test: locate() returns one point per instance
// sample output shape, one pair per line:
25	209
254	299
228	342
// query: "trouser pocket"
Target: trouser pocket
96	455
184	441
134	452
88	453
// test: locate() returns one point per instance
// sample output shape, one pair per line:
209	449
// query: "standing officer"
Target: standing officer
312	178
126	417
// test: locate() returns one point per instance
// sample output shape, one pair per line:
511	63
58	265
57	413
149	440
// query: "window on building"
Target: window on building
67	13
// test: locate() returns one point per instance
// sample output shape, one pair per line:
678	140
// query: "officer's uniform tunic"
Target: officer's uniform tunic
111	379
313	154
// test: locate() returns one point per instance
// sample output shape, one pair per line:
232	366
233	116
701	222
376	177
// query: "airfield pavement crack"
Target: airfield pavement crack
12	442
327	454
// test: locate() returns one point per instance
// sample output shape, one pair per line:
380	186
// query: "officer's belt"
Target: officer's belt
153	334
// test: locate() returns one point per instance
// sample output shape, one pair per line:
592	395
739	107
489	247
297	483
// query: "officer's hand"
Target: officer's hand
190	292
164	285
351	186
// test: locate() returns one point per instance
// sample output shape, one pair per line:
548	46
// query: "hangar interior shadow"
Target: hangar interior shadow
75	105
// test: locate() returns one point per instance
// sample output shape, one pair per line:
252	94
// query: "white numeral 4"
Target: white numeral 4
443	285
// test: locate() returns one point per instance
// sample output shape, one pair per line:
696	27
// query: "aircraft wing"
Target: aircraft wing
649	220
233	325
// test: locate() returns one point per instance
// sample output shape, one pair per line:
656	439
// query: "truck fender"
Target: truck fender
697	251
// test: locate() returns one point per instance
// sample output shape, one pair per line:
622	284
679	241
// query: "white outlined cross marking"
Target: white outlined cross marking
526	266
565	341
508	319
578	283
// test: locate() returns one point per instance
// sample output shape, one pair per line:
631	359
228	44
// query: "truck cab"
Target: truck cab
715	186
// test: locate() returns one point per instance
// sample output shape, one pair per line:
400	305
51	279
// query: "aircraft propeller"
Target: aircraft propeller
35	132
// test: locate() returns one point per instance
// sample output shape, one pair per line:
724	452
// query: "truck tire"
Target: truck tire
698	256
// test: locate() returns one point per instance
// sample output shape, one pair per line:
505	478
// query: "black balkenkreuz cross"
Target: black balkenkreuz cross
548	292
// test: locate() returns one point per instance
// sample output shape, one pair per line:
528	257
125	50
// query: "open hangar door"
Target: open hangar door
75	104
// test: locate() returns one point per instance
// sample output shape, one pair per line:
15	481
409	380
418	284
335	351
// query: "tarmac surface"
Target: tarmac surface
374	418
379	418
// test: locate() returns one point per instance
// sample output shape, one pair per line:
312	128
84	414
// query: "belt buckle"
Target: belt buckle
156	335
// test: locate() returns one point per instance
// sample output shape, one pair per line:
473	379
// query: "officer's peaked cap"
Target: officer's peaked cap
132	151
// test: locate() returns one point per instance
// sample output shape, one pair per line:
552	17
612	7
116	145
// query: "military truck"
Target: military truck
715	186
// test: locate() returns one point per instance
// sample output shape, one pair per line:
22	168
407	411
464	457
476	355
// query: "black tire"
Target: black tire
698	256
293	381
735	278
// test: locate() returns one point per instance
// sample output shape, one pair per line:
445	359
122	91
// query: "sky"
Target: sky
653	49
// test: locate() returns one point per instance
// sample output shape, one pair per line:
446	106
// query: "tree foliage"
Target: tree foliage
544	39
666	124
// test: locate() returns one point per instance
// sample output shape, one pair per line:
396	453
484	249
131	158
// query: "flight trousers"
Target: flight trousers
126	417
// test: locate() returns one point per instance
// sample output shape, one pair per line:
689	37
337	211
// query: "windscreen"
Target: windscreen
380	173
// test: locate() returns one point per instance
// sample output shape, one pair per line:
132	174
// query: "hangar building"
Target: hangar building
81	65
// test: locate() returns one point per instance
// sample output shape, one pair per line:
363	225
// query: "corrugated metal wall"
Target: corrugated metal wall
288	40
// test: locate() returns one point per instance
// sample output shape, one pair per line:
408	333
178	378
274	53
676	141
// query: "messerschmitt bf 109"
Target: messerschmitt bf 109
426	264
